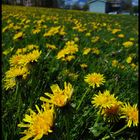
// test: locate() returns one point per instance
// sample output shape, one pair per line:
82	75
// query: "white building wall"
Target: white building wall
97	6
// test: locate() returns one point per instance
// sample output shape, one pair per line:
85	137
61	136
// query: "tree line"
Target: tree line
42	3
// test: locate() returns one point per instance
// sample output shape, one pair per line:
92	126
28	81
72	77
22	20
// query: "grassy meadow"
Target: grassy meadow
68	75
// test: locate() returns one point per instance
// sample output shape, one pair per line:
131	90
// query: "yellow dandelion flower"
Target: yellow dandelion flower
69	57
18	71
4	29
27	21
10	25
9	83
121	35
16	27
133	65
83	65
32	56
95	39
115	63
94	79
96	51
86	51
128	44
18	35
129	59
113	113
131	39
7	51
114	31
62	32
16	60
37	124
61	53
104	100
88	34
59	97
76	39
19	51
50	46
26	26
121	66
31	47
52	31
131	114
71	47
36	31
74	76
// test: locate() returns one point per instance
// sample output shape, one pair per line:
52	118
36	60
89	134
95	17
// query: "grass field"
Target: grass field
87	62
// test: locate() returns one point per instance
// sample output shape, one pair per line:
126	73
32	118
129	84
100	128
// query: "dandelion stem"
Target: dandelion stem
17	87
115	133
97	119
82	98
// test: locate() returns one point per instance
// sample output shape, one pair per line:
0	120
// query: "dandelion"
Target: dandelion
83	65
128	44
61	53
94	79
10	25
16	60
18	35
131	114
32	56
16	72
49	46
131	39
35	31
121	66
38	124
7	51
95	39
31	47
104	100
133	65
9	83
76	39
129	59
52	31
74	76
4	29
112	113
69	57
96	51
88	34
86	51
59	97
62	32
114	31
121	35
71	47
16	27
115	63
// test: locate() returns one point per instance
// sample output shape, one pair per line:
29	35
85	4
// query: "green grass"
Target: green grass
69	123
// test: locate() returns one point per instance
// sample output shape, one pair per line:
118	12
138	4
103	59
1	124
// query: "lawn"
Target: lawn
68	75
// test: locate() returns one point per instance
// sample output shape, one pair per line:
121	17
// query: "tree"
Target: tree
85	7
61	3
135	9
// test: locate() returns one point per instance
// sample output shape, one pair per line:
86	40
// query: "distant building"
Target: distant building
102	6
